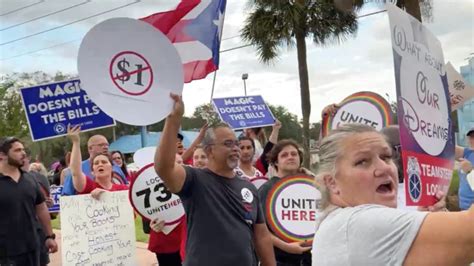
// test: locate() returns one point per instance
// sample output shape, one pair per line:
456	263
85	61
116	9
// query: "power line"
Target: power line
21	8
67	24
42	49
47	15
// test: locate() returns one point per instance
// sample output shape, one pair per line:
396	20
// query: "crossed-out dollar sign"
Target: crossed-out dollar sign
125	76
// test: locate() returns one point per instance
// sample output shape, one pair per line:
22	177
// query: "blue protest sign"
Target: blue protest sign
244	112
49	108
55	192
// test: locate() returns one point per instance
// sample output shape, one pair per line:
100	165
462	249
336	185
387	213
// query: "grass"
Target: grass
139	234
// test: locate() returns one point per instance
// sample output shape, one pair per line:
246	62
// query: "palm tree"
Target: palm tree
272	24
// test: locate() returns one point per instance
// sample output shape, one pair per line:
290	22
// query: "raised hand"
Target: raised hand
277	125
178	107
73	133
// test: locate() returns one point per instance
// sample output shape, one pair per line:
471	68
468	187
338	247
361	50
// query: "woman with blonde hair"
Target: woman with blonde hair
360	225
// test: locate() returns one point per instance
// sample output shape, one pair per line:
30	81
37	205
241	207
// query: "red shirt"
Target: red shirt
91	185
170	243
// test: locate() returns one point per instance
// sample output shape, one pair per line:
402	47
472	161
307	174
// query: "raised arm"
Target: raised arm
172	174
444	239
190	150
78	177
275	132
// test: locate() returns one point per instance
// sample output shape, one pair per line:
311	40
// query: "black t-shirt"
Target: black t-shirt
18	220
280	255
221	213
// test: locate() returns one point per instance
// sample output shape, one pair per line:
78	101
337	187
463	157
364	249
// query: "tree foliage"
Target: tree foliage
272	25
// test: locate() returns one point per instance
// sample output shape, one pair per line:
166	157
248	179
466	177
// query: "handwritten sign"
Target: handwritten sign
55	192
424	108
244	112
97	232
363	107
459	90
291	208
151	199
49	108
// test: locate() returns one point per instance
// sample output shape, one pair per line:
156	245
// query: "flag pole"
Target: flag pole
220	40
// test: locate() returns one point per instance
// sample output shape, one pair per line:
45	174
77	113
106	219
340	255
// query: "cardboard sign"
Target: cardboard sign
291	207
459	90
55	193
424	108
129	68
49	108
151	199
363	108
97	232
244	112
144	156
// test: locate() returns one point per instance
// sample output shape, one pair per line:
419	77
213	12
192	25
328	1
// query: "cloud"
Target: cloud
361	63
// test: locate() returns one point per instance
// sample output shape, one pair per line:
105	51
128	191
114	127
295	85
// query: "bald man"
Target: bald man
96	145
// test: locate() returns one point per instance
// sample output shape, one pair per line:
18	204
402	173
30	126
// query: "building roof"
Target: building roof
132	143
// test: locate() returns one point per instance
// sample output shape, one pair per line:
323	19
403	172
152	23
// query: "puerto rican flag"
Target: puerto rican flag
195	29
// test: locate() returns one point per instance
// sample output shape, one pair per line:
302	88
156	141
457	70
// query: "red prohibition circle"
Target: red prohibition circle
148	67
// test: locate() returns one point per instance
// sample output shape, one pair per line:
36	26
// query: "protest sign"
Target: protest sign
291	207
151	199
459	90
144	156
259	181
55	194
97	232
363	107
49	108
426	133
244	112
129	68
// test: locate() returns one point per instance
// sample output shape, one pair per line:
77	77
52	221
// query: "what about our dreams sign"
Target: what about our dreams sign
49	108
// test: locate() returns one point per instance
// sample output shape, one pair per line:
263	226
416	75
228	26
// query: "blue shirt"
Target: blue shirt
466	195
68	188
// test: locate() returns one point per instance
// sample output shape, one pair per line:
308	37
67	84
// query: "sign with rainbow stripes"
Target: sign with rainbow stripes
291	206
363	107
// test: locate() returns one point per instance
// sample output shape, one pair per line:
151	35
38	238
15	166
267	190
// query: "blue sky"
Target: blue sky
363	62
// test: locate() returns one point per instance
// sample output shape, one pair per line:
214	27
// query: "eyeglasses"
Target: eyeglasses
101	145
228	143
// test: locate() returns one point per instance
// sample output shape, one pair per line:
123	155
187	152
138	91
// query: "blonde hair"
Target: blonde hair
329	153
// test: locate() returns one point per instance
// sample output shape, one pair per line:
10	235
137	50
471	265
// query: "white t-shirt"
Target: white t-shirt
401	199
365	235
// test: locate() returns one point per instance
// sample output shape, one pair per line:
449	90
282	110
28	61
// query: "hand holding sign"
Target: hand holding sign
152	200
128	68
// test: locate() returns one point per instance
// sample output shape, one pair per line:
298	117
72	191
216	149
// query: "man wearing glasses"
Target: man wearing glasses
225	223
22	208
96	145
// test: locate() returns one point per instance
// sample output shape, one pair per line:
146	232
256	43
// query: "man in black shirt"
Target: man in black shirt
21	205
225	222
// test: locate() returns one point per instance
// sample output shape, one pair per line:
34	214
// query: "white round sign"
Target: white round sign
361	112
295	208
151	199
425	107
259	181
128	68
144	156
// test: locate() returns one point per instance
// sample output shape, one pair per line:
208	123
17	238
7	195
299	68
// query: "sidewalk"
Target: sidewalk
144	257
